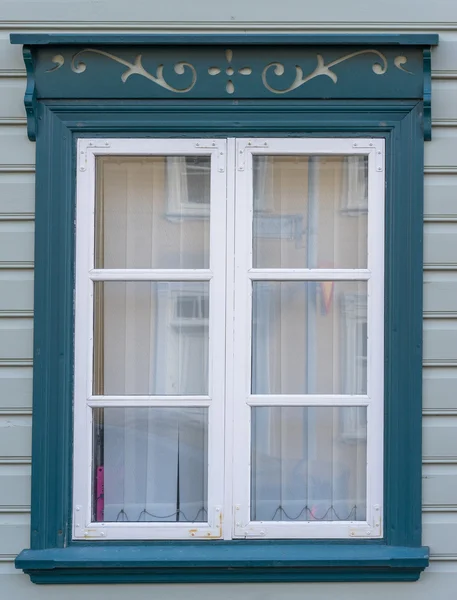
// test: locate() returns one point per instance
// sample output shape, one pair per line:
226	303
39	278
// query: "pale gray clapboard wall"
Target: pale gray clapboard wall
440	271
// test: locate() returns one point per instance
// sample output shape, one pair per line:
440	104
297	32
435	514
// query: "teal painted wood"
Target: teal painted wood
403	329
229	562
53	334
398	39
399	555
205	67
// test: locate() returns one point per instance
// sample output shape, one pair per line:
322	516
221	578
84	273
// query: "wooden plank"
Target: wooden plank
440	244
16	150
16	339
439	191
440	342
444	56
12	98
15	438
14	533
14	488
16	292
440	293
441	153
444	99
440	389
10	56
439	487
16	242
177	12
17	193
439	531
440	439
15	389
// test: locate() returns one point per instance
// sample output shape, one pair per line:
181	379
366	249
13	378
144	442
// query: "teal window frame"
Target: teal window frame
53	556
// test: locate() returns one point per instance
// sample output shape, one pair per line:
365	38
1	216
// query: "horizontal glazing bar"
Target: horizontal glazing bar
307	400
309	274
150	274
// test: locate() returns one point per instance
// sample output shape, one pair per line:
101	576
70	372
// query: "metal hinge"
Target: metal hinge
241	530
368	531
378	154
220	154
241	154
215	532
82	531
82	156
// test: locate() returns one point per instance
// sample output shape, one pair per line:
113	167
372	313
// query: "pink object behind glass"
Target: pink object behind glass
100	506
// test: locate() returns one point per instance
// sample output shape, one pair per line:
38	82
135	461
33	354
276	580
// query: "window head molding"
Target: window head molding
140	108
65	66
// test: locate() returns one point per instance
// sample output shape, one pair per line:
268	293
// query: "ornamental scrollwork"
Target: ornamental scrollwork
379	68
136	68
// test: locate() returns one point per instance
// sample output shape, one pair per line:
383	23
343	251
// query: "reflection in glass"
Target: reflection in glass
151	337
152	212
150	464
309	337
308	464
310	212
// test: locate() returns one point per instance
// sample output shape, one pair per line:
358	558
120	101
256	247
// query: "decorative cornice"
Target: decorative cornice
209	66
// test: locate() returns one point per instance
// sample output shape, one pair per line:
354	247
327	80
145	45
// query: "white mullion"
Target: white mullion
151	275
307	400
229	421
217	332
309	274
375	333
82	463
242	338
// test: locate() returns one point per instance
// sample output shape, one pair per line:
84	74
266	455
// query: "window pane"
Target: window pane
151	338
310	212
152	212
151	464
308	464
309	337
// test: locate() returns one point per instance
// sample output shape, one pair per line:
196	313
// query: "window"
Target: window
185	398
228	307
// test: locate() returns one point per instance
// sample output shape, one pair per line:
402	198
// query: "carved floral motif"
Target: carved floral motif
230	71
136	68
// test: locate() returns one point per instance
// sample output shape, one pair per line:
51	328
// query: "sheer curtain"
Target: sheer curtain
150	338
304	465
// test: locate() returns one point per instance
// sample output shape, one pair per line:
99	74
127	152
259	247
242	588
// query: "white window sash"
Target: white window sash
85	401
245	274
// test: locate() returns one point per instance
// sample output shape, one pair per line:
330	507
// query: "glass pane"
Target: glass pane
308	464
152	212
309	337
310	212
151	337
151	464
